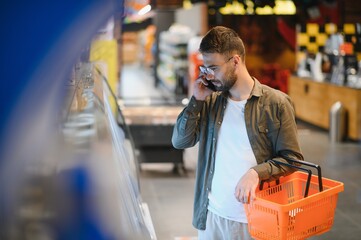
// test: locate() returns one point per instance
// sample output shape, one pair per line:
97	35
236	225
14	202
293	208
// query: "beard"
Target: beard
228	82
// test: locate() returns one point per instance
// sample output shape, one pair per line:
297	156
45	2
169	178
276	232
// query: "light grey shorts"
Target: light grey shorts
218	228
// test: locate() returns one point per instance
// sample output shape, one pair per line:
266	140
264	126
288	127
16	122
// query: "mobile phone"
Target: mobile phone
211	86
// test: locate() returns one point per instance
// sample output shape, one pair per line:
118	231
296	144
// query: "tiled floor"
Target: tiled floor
169	195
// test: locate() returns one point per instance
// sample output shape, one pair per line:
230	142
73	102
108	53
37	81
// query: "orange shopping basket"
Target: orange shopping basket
296	206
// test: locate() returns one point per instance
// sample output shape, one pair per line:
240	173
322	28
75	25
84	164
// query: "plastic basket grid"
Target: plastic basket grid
282	212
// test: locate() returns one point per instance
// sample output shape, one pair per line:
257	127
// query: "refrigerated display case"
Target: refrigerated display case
85	185
100	142
66	165
151	127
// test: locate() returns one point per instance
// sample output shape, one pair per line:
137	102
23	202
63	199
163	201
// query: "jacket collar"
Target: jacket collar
257	88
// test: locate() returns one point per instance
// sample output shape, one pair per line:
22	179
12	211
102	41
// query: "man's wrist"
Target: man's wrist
253	172
199	98
195	105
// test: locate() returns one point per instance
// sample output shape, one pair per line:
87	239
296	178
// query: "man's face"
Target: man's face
220	71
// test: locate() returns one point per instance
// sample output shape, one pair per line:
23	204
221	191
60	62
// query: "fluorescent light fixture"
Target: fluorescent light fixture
144	10
238	8
266	10
226	10
282	7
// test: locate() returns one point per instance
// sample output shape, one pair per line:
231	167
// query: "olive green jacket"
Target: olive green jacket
271	128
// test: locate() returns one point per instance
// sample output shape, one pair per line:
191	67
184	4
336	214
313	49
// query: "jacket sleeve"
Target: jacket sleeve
186	130
285	144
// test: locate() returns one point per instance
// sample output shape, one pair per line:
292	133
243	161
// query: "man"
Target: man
238	126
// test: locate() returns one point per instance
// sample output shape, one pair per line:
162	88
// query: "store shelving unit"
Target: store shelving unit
173	57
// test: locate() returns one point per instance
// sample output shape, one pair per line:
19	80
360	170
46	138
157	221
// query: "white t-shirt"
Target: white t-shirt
234	157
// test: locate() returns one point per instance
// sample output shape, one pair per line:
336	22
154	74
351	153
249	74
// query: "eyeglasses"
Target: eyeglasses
209	71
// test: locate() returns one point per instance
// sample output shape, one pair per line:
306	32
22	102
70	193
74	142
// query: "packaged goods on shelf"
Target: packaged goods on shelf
173	55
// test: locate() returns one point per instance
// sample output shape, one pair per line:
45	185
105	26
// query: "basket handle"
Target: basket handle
299	168
309	164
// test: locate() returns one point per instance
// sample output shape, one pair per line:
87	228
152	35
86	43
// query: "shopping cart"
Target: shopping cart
296	206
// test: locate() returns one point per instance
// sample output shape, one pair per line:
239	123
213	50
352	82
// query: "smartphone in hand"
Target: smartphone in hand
211	86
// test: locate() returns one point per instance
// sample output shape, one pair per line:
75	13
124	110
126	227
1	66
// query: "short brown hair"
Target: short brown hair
222	40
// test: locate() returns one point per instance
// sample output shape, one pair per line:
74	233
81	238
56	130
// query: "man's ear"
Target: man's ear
237	59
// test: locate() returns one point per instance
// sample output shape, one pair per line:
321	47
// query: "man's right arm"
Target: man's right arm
186	130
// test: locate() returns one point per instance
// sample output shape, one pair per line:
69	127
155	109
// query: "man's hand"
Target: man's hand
245	191
200	91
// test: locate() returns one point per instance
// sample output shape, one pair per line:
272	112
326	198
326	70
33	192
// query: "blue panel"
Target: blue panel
40	41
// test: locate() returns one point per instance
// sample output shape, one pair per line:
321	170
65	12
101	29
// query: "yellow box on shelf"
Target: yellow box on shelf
105	52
